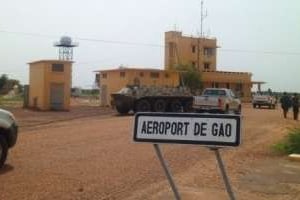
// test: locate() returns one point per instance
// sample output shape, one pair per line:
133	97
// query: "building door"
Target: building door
57	96
103	95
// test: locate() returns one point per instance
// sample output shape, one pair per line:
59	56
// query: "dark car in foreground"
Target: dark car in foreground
8	134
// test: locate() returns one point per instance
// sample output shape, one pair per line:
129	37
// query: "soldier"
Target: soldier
285	103
295	104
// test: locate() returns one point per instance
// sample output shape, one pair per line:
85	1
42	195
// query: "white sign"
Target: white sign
188	128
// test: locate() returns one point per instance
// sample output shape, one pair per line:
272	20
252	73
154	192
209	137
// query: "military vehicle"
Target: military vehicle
152	99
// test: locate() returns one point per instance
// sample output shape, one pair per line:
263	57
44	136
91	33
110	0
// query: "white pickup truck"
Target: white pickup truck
264	100
217	100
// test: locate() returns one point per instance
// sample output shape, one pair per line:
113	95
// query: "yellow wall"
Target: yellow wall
182	46
114	81
183	54
231	79
37	85
41	77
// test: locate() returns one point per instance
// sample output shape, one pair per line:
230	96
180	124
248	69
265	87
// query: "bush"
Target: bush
290	144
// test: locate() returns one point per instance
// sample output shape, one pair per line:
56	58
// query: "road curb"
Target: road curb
294	157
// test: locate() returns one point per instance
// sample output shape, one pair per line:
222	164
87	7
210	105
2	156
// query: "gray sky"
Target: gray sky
261	26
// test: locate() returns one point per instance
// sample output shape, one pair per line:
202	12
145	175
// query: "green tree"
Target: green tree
3	80
190	77
7	84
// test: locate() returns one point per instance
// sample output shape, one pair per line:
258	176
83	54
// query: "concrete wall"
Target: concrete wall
114	80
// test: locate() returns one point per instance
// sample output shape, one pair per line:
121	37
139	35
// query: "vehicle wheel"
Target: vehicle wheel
122	110
188	106
176	106
160	105
239	111
3	150
143	106
226	111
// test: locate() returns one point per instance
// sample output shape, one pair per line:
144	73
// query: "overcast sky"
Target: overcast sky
257	36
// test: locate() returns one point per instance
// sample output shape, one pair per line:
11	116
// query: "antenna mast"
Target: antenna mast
203	16
199	40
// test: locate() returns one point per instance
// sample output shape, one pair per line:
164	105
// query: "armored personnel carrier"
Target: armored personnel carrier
152	99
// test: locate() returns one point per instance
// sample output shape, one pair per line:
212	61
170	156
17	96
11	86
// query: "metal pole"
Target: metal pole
167	171
224	175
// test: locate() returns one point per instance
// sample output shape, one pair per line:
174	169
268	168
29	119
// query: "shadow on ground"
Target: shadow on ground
6	168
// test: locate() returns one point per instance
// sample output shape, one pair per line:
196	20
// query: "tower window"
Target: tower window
206	66
193	48
208	51
122	74
57	67
104	75
172	49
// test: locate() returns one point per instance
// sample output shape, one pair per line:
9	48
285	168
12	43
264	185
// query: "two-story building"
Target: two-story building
179	50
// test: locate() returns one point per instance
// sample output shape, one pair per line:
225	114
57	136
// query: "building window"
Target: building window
193	63
122	74
104	75
97	78
239	87
154	75
193	48
215	85
141	74
57	67
227	85
171	49
206	66
209	51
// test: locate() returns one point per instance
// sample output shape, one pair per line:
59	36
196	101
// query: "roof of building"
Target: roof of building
258	82
227	72
51	61
179	33
130	69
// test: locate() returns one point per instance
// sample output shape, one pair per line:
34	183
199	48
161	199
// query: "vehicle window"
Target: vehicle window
232	94
215	92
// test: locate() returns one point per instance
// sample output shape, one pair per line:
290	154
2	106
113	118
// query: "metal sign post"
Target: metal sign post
223	173
167	171
211	130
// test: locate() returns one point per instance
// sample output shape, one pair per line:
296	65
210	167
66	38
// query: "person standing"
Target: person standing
295	104
285	103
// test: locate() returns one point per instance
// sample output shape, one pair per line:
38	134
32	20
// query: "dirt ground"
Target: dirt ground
88	153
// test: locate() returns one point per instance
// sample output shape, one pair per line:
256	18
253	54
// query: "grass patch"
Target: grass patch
11	101
290	144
